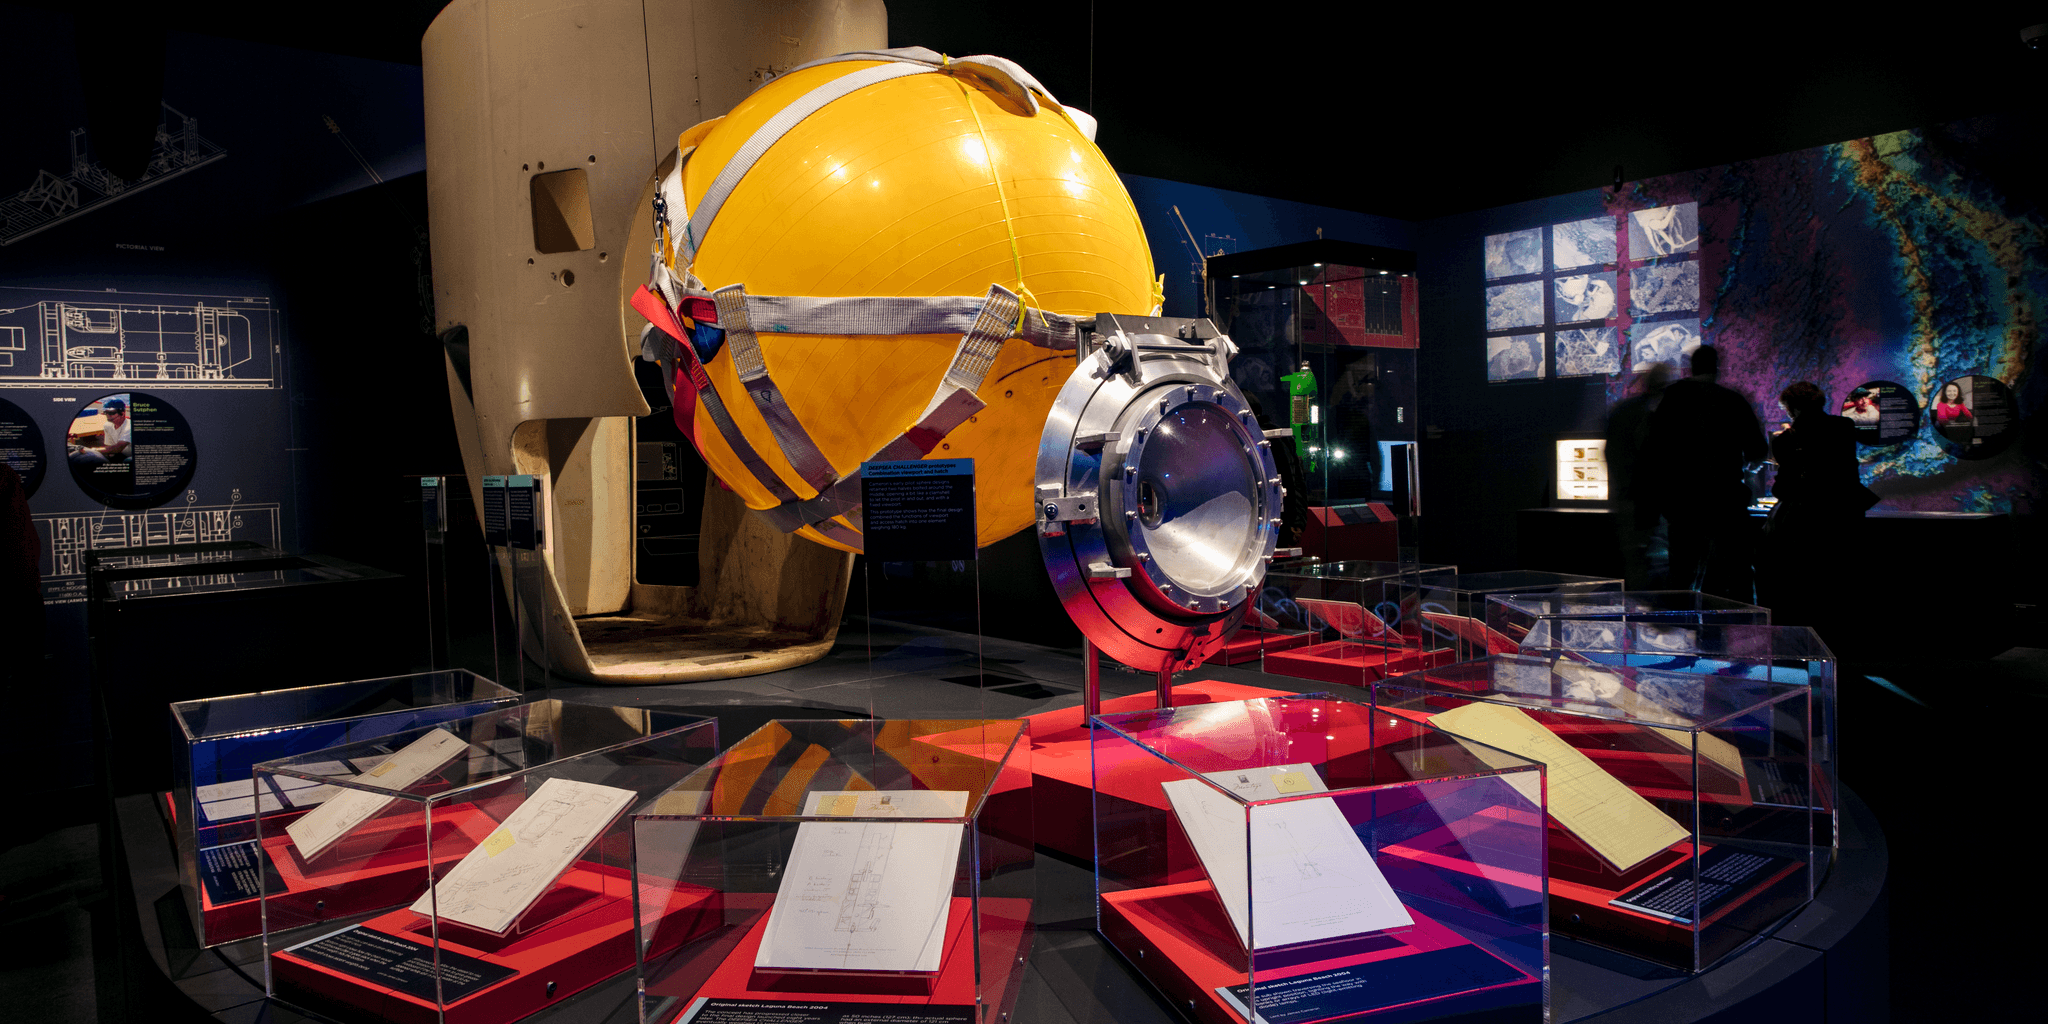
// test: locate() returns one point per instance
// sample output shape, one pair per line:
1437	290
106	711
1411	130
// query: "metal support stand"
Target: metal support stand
1166	687
1091	680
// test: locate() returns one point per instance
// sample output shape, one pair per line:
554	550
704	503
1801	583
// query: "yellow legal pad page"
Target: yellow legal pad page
1619	825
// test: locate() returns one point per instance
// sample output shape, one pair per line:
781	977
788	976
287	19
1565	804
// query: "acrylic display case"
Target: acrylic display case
1327	335
1453	608
473	872
1679	830
1343	622
213	802
1557	615
834	869
1310	858
1782	654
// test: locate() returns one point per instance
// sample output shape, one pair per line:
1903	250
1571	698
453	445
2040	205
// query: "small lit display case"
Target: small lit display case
1570	616
1452	608
1780	654
1343	622
1680	827
1581	470
475	871
1307	857
841	868
214	801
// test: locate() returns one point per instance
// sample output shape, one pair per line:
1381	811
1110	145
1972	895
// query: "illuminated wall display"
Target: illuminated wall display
1582	469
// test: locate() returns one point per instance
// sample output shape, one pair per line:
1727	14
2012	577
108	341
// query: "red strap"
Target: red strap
689	374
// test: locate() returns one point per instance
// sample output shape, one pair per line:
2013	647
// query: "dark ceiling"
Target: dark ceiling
1413	112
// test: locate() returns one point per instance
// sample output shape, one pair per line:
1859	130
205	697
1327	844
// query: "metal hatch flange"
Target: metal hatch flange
1158	499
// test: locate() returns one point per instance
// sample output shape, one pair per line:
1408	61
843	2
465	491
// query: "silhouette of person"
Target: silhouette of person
1820	502
1699	441
1635	505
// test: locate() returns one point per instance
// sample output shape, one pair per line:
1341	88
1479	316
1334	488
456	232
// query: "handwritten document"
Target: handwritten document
345	810
503	875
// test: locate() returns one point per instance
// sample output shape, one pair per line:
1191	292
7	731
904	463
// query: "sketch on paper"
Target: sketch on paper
509	871
867	895
341	813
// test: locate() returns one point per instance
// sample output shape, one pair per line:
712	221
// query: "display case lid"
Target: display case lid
1364	570
1516	579
1649	697
1619	603
493	746
249	714
961	762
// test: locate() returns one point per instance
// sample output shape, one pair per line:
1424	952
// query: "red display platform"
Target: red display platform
1583	885
1062	786
1349	663
586	936
387	869
1186	946
1249	644
1006	929
1366	533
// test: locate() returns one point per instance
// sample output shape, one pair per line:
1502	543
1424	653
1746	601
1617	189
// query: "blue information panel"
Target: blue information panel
522	512
434	504
919	511
494	511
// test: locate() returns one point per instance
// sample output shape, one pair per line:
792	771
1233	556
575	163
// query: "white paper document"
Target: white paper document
867	895
305	792
1309	878
335	817
226	801
511	868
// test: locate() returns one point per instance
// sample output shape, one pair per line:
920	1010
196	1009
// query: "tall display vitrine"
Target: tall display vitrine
1327	334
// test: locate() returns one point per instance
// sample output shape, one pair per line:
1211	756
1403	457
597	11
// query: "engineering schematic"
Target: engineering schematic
188	342
51	200
67	536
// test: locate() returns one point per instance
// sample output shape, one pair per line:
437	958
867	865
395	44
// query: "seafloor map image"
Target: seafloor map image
1582	243
1514	305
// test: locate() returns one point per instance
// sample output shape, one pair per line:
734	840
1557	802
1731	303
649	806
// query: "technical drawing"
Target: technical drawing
67	536
860	910
52	200
180	341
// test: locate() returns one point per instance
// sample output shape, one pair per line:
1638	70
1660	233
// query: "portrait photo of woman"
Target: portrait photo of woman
1952	413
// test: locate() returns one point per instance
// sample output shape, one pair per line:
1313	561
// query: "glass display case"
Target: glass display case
1327	335
1309	858
1453	608
1559	614
1343	622
841	870
1781	654
474	871
214	801
1679	830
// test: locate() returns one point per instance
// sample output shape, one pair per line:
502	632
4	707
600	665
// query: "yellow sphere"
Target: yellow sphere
924	185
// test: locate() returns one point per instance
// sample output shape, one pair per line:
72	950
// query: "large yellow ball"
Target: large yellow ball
917	186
